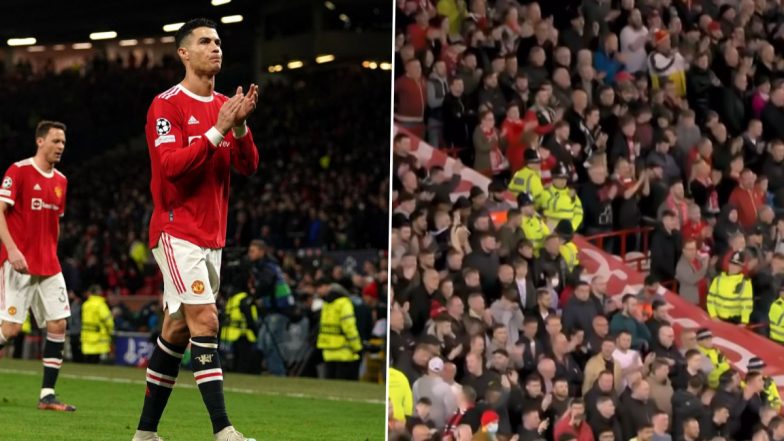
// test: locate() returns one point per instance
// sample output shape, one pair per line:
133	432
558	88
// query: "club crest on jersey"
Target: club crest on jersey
198	287
58	192
204	358
7	182
12	311
162	126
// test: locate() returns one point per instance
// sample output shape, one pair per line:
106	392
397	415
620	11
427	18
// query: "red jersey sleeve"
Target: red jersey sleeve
244	155
11	185
165	125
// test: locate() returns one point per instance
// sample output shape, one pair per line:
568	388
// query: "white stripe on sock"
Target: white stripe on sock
167	350
205	345
55	338
2	338
208	379
158	374
46	391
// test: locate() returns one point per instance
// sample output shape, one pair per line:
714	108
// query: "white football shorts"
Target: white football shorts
46	295
191	274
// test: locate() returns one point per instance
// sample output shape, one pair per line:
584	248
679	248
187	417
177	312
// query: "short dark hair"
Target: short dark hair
425	400
186	29
696	382
627	297
400	136
43	127
528	319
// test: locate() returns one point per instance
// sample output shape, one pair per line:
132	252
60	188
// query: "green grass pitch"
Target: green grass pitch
109	399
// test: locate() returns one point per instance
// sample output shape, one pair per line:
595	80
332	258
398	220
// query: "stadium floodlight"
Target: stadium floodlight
385	66
59	47
36	48
275	68
220	2
82	45
321	59
344	18
366	64
373	65
172	27
167	39
231	19
329	5
106	35
295	64
27	41
148	40
131	42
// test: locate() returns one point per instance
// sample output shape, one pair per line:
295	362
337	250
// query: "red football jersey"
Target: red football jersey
37	201
191	167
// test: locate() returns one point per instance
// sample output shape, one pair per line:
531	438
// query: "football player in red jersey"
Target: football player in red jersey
195	137
32	199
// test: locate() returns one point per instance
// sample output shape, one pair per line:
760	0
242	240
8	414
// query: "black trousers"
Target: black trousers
733	320
342	370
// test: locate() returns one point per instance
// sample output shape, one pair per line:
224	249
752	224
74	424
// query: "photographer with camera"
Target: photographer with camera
270	289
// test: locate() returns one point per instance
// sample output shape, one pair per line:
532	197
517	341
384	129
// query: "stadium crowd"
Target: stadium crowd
597	116
322	184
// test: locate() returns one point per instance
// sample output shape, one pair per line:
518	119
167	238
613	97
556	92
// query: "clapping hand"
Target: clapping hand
247	103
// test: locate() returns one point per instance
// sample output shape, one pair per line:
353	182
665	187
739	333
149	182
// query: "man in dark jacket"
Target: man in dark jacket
665	349
636	409
605	417
458	116
551	263
420	299
602	388
773	115
666	245
715	424
580	309
700	81
597	196
487	261
731	105
773	168
686	404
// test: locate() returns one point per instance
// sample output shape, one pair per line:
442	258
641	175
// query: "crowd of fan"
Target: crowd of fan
598	116
322	181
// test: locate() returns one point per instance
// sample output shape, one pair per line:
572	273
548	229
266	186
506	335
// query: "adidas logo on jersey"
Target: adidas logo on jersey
193	120
37	187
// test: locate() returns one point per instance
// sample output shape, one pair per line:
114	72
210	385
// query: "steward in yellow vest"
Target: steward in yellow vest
568	248
776	318
730	296
97	325
560	202
240	321
717	359
528	180
770	393
239	325
533	226
338	336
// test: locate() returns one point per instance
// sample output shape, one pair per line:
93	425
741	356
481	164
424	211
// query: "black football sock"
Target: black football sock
52	360
209	377
161	375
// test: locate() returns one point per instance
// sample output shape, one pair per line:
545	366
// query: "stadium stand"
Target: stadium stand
647	130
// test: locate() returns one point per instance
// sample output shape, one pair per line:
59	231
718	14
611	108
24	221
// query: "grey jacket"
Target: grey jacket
688	278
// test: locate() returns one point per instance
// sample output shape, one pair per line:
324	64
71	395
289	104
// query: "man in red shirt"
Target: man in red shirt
32	199
195	136
573	422
745	198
